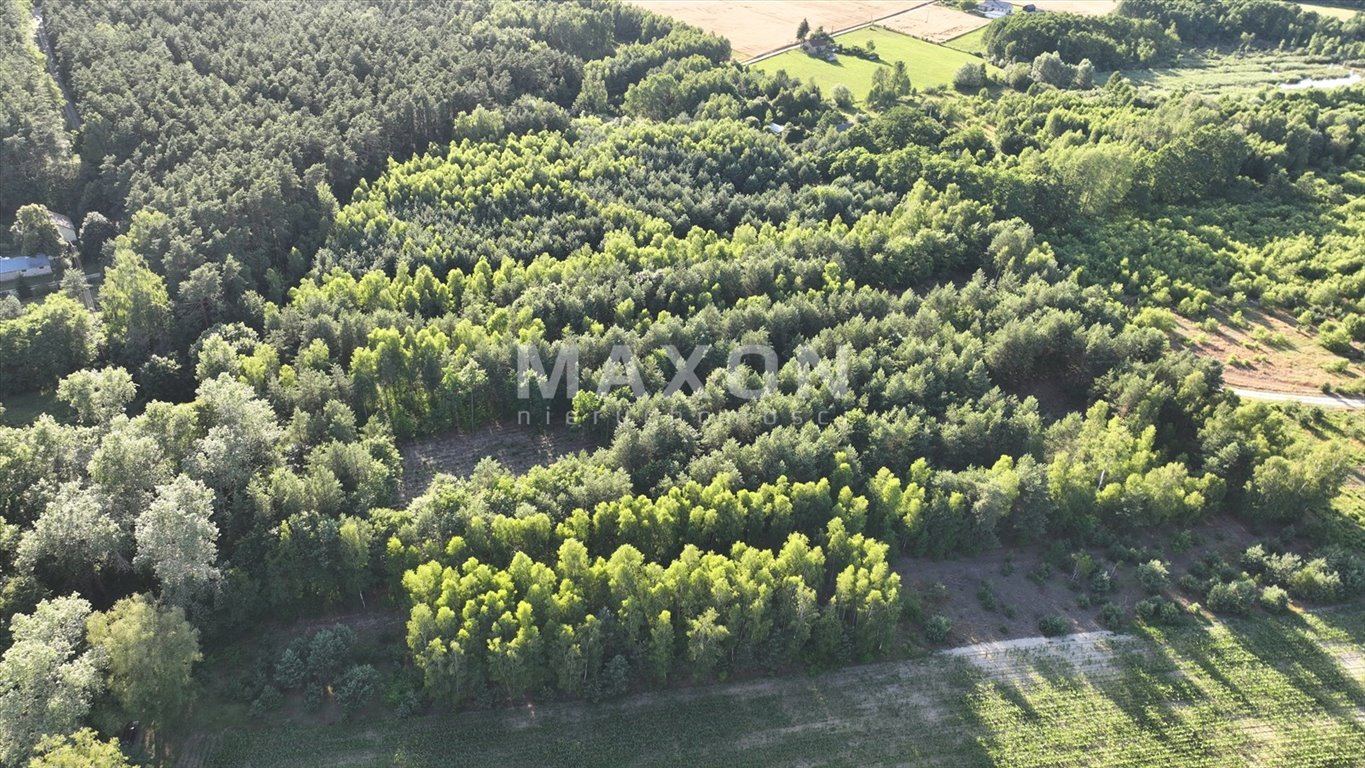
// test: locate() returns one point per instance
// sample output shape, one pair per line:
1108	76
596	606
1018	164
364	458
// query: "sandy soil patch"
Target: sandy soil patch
518	448
1350	656
1016	660
1271	354
758	26
935	23
954	587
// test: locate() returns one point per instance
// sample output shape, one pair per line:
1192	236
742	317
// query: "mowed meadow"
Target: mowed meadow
928	64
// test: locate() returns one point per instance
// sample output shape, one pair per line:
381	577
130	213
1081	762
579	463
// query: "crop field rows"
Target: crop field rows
1284	691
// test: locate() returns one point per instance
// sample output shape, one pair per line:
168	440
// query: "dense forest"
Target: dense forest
334	227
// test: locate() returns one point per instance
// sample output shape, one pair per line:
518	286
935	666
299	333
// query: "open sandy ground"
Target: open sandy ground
935	23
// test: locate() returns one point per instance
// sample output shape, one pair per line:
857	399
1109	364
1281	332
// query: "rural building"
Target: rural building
15	267
64	227
994	9
776	129
821	46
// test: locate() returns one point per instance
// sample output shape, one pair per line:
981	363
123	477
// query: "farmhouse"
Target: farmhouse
64	227
821	46
15	267
994	9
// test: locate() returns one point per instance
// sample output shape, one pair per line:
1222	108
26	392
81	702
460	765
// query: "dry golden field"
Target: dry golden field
758	26
935	23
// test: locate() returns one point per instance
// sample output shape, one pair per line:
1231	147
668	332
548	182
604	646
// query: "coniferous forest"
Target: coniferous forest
316	236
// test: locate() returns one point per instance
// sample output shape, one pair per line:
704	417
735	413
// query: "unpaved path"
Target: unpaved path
73	119
1325	400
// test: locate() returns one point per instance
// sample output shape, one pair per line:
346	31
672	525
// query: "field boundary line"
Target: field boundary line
853	28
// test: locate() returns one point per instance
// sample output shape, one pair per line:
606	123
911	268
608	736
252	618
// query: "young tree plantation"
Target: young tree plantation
848	384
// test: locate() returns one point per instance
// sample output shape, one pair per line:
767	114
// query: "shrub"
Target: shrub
1315	581
969	77
1232	596
292	669
1349	566
1083	566
314	660
1153	576
1053	625
356	687
937	628
1155	317
1101	583
1019	76
1182	540
312	698
1274	599
270	700
986	596
843	97
1041	573
1336	340
1158	610
1191	584
1111	616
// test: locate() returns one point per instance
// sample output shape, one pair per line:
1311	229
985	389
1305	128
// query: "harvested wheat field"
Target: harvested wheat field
755	27
935	23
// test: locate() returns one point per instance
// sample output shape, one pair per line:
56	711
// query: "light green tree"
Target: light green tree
34	231
135	306
177	540
47	677
97	396
151	651
82	749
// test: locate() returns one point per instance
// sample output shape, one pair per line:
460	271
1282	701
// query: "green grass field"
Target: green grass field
1233	73
23	409
929	64
973	42
1255	691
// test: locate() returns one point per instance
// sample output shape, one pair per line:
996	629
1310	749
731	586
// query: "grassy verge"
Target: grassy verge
1263	690
23	409
973	42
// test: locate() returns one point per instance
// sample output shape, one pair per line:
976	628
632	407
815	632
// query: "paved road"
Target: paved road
854	28
1326	401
